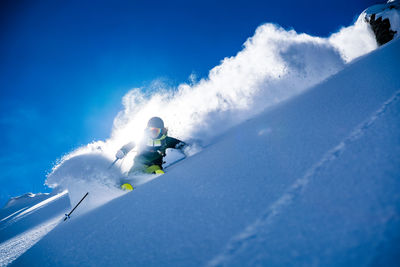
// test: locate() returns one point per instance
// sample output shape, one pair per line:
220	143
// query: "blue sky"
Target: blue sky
65	65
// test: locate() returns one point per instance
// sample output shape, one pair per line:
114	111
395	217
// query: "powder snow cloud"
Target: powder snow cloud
273	65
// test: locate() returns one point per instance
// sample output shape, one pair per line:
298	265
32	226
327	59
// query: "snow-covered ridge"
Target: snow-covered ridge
24	198
26	220
21	202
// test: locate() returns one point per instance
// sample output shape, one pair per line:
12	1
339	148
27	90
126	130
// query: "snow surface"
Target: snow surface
311	181
26	219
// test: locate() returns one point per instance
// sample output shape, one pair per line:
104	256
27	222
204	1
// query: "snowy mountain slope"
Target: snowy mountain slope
349	215
312	181
17	204
26	219
34	213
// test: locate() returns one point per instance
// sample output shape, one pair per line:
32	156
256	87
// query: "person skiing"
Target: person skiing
151	150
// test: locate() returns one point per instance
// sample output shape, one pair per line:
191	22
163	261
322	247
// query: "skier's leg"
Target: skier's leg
154	169
137	168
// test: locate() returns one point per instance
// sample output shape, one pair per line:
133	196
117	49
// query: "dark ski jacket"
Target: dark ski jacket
152	151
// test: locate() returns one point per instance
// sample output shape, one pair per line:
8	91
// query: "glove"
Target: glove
120	154
180	145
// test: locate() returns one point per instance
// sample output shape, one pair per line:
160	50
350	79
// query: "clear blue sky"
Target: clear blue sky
65	65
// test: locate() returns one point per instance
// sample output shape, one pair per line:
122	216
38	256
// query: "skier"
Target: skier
151	150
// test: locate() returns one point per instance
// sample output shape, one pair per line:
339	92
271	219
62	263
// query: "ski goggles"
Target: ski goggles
154	132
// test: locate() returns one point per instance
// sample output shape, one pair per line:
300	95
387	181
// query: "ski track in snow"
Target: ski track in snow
11	215
16	246
238	242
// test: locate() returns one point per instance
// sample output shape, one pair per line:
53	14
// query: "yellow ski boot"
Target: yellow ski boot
127	187
154	169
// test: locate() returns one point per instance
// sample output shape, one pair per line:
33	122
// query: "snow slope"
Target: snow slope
26	219
313	181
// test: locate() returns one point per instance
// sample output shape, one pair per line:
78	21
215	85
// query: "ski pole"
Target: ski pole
112	164
67	215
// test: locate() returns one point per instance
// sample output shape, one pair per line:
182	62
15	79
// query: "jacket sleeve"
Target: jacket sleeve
128	147
175	143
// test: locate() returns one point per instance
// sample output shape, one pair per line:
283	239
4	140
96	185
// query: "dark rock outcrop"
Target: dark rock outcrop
379	16
382	30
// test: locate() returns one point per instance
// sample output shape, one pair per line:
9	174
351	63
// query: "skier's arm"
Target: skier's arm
175	143
124	150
